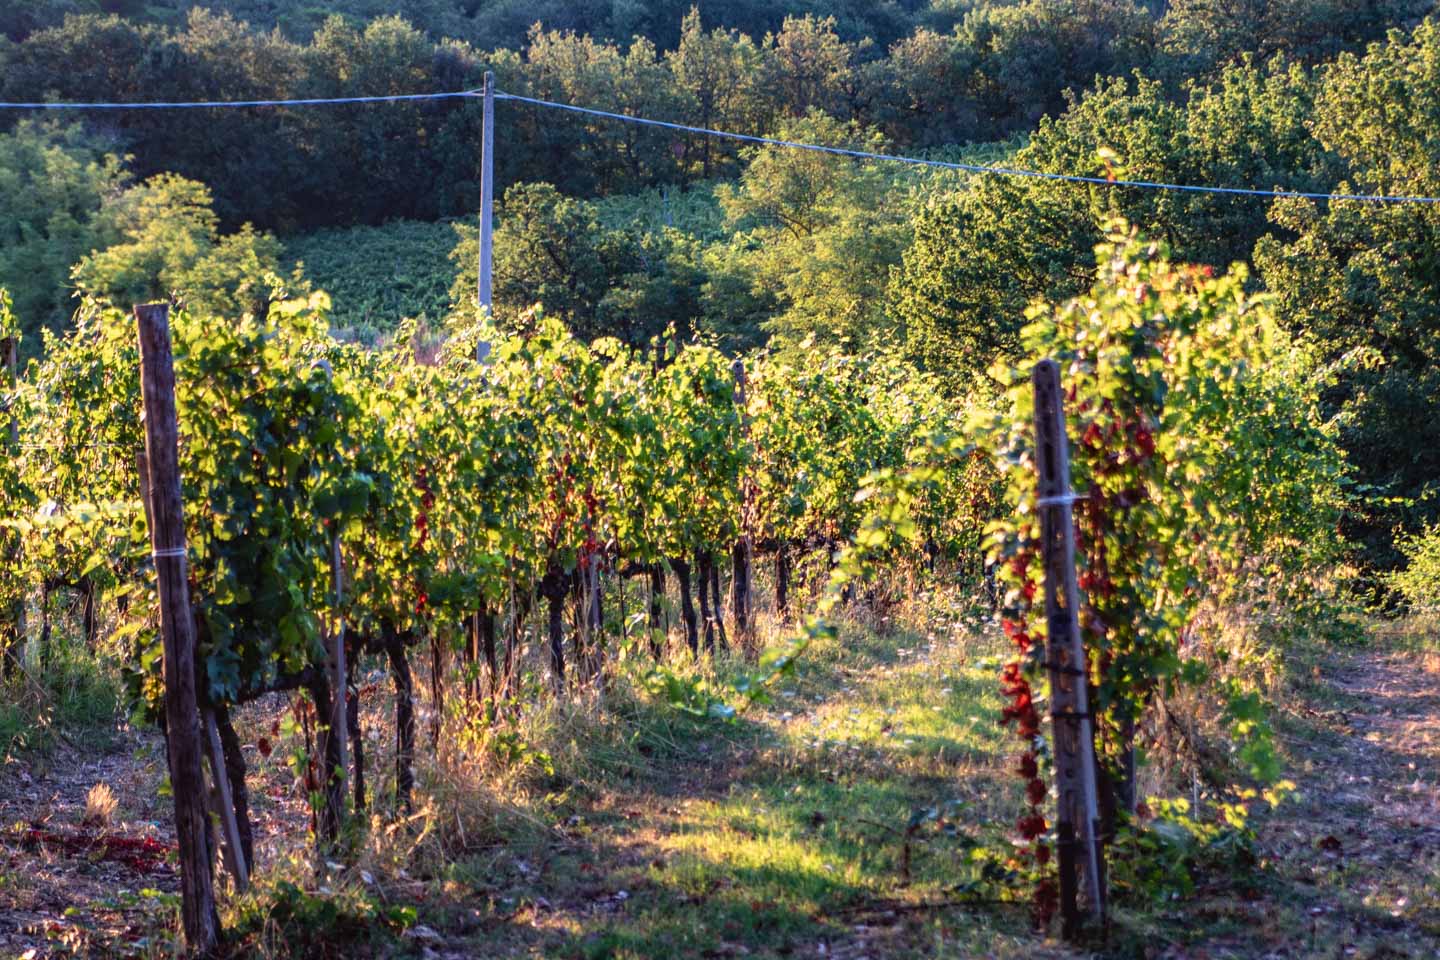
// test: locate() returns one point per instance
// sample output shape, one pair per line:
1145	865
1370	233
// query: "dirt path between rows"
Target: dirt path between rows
1357	853
1349	868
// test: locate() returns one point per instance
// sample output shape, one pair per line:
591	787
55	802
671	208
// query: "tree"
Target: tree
817	240
601	281
808	67
18	21
982	254
718	76
373	155
1028	55
1364	278
171	248
53	182
923	93
1200	36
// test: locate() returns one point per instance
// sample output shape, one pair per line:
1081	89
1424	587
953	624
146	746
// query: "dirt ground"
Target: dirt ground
1349	868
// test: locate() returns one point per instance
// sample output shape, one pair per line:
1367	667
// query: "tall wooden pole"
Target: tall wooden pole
337	709
487	203
339	681
235	860
743	554
12	652
177	626
1072	731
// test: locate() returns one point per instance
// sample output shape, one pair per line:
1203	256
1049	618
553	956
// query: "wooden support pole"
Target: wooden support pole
1072	730
234	848
177	626
743	555
339	684
487	205
237	850
13	645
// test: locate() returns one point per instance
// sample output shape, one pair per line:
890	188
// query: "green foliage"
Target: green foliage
1027	55
983	253
68	202
693	211
550	249
956	73
54	181
72	697
1203	35
1419	580
169	247
1199	455
321	924
1159	859
1361	276
811	237
9	326
449	484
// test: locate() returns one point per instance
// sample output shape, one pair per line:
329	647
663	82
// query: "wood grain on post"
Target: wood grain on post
1072	731
235	860
9	359
234	847
339	682
177	626
742	559
235	857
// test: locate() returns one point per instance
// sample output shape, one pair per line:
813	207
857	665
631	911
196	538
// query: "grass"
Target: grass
865	811
784	829
73	697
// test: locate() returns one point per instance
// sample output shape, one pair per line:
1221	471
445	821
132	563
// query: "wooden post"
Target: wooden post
487	205
235	854
1076	820
234	848
339	683
177	626
743	555
12	652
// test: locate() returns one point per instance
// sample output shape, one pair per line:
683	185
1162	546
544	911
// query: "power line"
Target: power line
218	104
997	171
969	167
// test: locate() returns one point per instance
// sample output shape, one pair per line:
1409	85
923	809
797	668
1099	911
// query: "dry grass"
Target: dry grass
603	823
100	806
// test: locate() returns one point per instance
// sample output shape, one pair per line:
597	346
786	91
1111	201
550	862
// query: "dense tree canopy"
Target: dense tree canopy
925	76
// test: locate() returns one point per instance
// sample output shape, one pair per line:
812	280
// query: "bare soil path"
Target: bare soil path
1354	858
714	851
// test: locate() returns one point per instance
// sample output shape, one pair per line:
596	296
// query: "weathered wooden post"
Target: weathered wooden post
743	554
339	682
10	645
235	849
1072	731
177	626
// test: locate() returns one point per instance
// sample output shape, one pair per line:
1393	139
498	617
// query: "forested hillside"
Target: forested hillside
666	595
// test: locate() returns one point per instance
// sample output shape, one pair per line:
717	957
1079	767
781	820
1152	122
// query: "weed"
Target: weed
100	805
